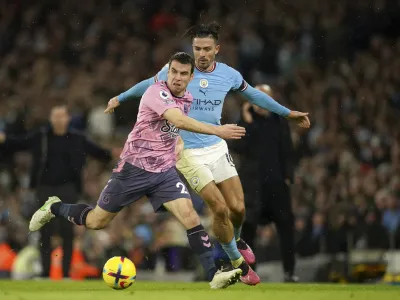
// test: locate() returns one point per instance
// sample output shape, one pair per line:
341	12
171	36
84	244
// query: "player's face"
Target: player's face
59	118
179	76
204	51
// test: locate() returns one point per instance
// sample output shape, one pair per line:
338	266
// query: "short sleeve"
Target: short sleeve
238	83
159	100
162	75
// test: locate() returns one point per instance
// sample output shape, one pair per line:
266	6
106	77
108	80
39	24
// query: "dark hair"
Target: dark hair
183	58
204	30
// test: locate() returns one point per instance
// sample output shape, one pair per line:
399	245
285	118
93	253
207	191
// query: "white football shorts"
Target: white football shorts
201	166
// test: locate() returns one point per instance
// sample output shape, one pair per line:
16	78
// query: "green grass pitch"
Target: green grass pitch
97	290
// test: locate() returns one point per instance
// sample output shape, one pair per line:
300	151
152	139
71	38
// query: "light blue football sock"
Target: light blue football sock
232	250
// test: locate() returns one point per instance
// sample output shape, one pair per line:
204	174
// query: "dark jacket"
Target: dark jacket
37	142
268	143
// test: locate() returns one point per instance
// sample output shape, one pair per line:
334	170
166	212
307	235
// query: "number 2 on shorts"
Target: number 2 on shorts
183	187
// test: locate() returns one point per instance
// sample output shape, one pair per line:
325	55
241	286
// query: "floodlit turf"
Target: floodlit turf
97	290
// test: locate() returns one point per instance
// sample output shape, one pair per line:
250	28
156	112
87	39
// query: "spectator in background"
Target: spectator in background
59	156
274	157
312	239
27	264
376	234
391	216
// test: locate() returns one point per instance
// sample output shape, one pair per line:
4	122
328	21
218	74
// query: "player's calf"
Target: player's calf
231	247
237	213
222	226
232	192
79	214
99	218
82	214
201	244
75	213
198	238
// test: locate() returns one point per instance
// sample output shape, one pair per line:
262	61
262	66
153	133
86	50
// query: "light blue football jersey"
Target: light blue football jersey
209	90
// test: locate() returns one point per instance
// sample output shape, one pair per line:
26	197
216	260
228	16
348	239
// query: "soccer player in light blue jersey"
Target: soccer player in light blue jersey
205	161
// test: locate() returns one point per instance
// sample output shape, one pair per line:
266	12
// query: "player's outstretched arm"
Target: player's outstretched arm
136	91
265	101
229	131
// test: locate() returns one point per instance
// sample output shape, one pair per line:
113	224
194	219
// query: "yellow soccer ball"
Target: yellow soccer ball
119	272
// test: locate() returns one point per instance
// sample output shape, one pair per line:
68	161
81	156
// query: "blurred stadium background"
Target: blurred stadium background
338	60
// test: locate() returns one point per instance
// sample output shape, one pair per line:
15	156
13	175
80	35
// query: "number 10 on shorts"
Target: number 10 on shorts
181	186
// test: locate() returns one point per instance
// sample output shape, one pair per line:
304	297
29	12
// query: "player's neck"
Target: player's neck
210	68
178	95
175	94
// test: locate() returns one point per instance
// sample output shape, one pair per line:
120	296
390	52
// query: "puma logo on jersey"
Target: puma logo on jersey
203	92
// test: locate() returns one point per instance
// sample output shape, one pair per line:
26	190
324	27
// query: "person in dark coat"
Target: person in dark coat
59	156
267	172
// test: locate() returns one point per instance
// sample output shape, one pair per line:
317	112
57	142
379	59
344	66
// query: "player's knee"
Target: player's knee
221	212
239	209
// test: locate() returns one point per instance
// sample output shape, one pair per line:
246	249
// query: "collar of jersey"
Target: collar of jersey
213	68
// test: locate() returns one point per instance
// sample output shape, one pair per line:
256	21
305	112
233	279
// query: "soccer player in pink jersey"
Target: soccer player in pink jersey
147	168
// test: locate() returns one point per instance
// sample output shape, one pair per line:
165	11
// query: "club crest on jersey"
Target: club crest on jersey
204	83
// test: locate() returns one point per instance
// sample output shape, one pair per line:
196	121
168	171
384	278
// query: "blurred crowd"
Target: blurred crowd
338	60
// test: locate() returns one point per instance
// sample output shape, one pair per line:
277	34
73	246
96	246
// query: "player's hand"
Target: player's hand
112	104
300	118
2	137
230	132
